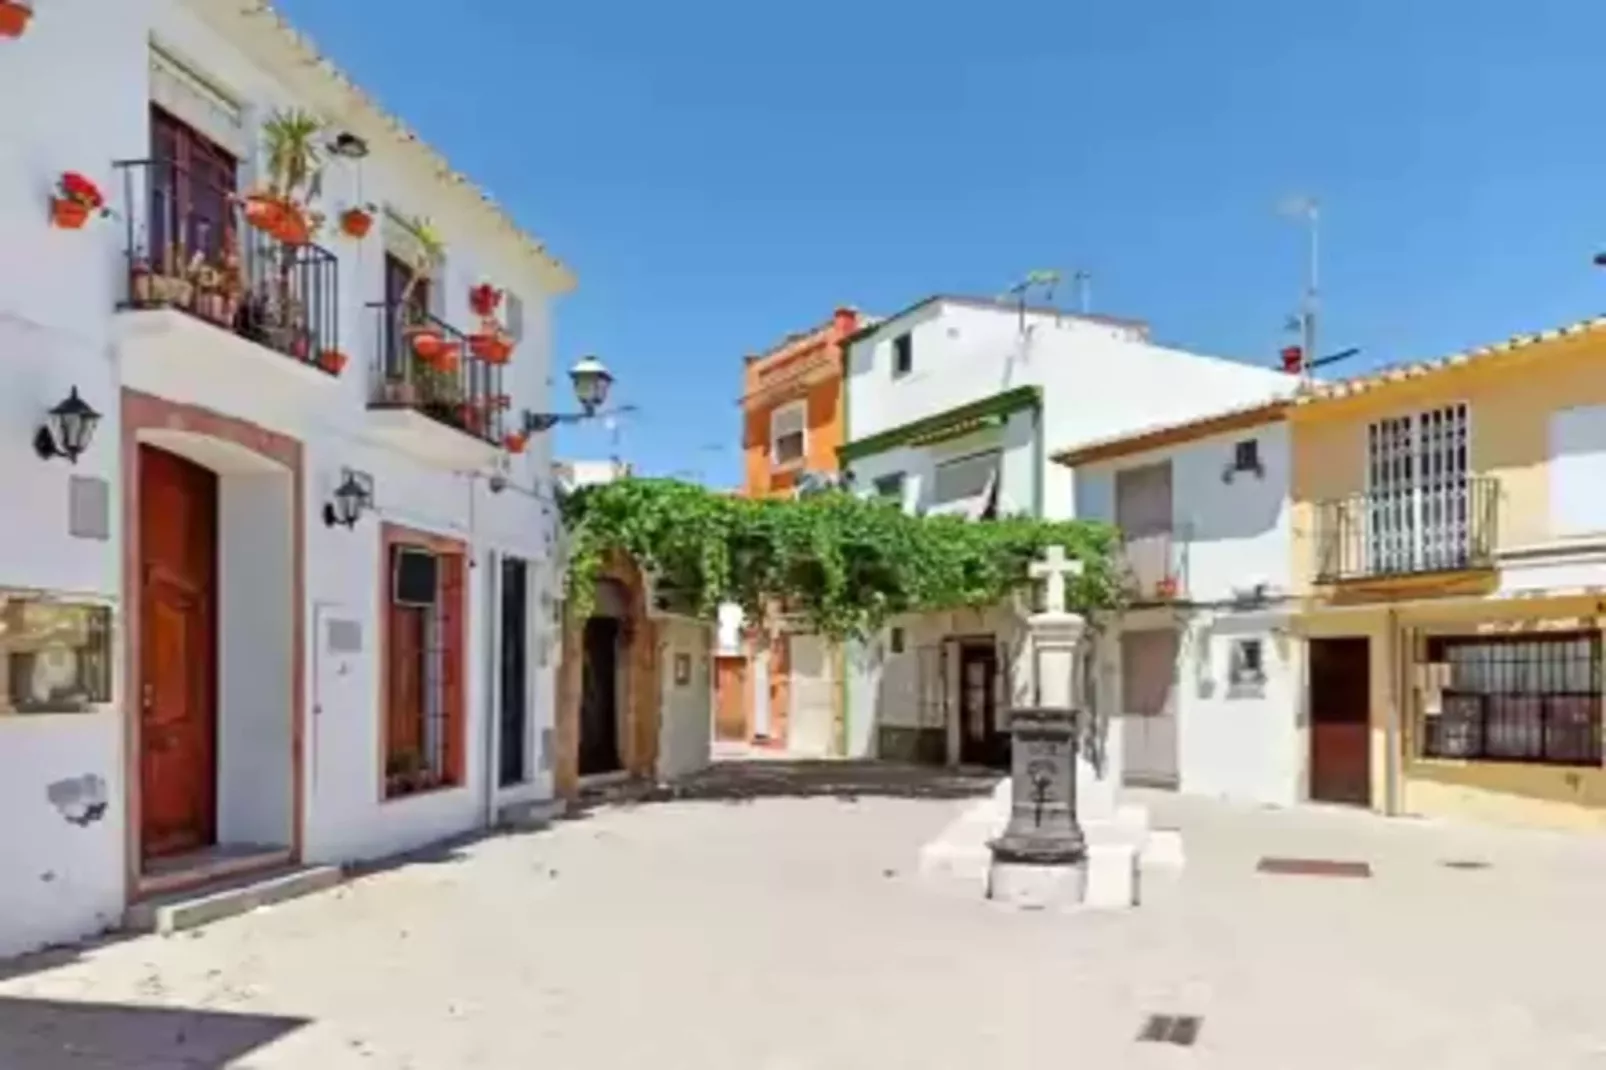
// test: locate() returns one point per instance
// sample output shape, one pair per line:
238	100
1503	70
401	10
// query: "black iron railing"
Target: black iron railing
1151	561
189	247
426	365
1450	526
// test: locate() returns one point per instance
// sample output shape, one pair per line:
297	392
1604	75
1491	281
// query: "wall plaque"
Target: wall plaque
55	654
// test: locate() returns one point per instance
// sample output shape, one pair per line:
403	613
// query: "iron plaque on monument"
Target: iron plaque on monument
1042	827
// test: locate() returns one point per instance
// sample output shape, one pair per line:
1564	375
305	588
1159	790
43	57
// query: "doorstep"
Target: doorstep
209	865
194	907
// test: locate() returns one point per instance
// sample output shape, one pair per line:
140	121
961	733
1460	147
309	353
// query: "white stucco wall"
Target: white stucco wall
685	731
1239	743
57	292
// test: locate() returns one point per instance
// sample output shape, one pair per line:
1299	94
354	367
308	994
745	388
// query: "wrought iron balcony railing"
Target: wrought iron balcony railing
428	366
1449	526
188	247
1153	564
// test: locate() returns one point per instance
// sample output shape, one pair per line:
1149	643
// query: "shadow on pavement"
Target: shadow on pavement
744	781
37	1034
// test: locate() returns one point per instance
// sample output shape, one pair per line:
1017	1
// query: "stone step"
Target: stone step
178	911
531	815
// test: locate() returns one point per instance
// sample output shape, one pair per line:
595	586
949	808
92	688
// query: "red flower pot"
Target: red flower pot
294	228
491	347
515	441
356	223
332	361
68	214
14	17
484	299
427	345
1167	587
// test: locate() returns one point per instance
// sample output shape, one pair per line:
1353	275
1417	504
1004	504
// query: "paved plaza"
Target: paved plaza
777	923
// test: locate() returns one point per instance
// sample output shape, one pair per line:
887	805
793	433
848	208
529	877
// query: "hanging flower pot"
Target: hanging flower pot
295	228
332	361
427	344
1166	587
264	212
356	222
515	441
14	16
493	347
484	299
448	357
77	197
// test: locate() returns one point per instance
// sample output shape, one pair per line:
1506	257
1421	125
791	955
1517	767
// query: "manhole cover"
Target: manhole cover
1464	863
1313	867
1180	1030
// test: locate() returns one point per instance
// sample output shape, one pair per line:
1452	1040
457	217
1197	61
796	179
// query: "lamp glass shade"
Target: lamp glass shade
350	497
591	383
72	425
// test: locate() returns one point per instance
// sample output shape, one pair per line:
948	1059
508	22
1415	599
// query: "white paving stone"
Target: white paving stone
794	934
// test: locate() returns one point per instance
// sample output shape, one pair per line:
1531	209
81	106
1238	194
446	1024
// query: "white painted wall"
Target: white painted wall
1239	743
1018	471
1230	535
685	731
57	292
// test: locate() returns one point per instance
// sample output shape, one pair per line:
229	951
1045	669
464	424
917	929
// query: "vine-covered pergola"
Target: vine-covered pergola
841	564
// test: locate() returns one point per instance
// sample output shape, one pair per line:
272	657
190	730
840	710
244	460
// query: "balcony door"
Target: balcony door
1419	507
192	179
1143	513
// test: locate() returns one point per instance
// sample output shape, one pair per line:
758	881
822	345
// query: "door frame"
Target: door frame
1365	725
145	417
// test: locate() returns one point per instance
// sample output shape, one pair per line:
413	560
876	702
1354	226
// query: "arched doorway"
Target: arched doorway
602	680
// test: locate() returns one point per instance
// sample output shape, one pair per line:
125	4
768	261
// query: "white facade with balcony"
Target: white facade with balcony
953	406
201	676
1211	672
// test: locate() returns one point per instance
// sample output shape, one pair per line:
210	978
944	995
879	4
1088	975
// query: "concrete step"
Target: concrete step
530	816
178	911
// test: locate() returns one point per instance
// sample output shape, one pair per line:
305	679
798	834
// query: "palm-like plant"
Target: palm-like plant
295	155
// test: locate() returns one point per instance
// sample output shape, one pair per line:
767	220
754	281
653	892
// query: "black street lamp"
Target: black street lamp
354	495
592	381
68	429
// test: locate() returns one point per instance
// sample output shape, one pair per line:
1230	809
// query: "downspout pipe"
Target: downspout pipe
1392	723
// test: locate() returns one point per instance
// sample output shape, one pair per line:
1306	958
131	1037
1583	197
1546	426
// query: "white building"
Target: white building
1210	670
202	676
952	407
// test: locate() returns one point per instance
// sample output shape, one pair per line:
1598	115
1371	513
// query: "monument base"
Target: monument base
1106	879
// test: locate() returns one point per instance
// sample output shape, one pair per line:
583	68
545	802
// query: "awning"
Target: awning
981	506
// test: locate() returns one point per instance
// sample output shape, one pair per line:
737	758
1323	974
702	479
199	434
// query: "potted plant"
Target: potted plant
484	300
426	341
357	221
493	346
515	441
1166	587
76	199
332	361
14	16
294	177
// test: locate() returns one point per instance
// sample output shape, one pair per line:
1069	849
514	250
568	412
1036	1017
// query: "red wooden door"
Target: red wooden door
1340	721
178	643
730	689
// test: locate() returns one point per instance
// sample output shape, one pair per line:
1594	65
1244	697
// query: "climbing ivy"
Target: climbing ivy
841	563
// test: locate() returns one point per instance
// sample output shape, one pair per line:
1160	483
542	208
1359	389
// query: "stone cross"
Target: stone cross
1054	567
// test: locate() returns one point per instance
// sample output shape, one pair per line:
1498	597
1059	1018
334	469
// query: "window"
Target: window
789	434
895	643
1246	456
1578	471
513	315
1246	666
422	655
964	477
1520	698
890	488
1419	514
903	354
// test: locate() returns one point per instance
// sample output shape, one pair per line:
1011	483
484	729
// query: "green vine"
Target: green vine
841	563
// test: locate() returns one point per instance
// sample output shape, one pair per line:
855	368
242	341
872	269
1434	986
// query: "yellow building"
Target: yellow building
1449	541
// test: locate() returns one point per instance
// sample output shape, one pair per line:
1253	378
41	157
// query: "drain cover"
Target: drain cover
1180	1030
1464	863
1313	867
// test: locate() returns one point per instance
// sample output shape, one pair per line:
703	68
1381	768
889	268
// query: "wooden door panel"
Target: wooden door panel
1148	706
730	722
177	686
1340	721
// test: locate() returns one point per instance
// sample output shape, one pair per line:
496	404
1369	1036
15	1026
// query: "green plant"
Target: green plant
430	249
843	564
292	138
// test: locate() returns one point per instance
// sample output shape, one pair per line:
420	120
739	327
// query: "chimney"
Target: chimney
846	321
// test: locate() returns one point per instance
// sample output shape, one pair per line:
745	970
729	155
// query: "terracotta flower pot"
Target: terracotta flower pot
14	18
484	299
356	223
449	356
332	361
294	227
265	213
493	347
427	345
515	441
68	214
1167	587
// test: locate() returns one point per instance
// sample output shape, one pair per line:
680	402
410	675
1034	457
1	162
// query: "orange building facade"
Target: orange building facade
792	422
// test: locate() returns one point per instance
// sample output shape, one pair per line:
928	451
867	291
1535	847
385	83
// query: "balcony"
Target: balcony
1152	563
212	310
431	397
1414	531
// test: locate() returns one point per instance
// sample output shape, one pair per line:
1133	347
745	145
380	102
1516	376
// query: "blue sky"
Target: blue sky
720	173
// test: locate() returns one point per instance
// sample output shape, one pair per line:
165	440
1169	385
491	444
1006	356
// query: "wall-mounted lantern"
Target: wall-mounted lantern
352	498
68	429
348	146
591	381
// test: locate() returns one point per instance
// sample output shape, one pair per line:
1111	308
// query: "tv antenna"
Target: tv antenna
1042	282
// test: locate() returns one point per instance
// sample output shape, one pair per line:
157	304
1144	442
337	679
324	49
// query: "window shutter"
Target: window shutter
515	315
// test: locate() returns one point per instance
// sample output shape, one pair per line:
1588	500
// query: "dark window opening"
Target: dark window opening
903	354
1246	456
